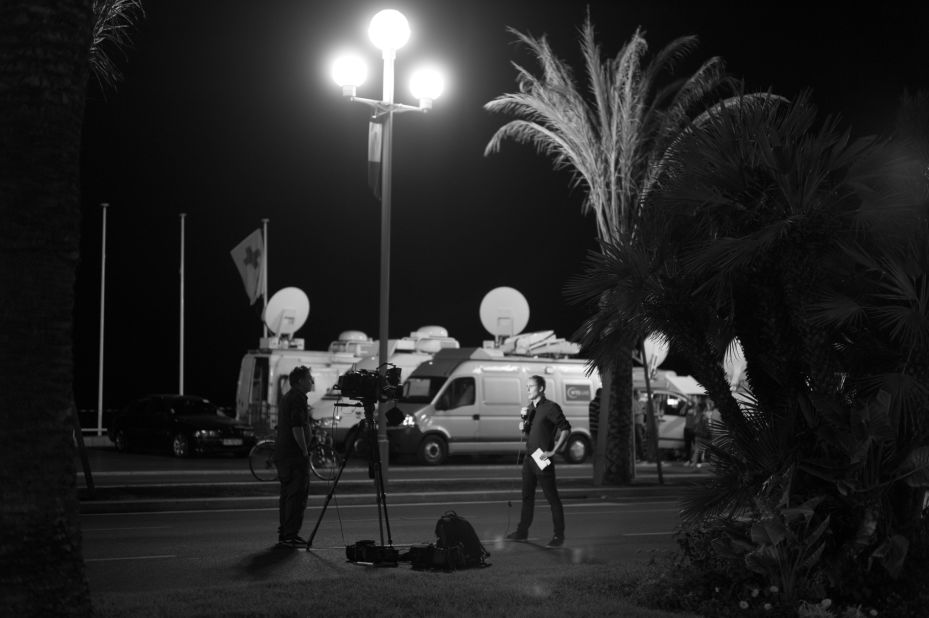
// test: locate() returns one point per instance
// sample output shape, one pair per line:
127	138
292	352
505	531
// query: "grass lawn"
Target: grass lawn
346	589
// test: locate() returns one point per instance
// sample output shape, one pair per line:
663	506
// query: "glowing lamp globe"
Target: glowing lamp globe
389	30
427	85
349	71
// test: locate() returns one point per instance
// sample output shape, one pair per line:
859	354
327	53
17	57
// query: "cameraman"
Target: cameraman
292	457
547	429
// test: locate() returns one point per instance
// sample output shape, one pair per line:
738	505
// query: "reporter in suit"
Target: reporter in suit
546	428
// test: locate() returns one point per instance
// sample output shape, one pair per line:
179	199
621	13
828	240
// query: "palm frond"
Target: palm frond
114	21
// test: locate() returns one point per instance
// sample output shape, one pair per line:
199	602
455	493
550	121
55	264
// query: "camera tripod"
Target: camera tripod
369	429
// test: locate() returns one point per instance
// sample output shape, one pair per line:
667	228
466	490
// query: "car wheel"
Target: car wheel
357	441
121	441
433	450
180	445
577	449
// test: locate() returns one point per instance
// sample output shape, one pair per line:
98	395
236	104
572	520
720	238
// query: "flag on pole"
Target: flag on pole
247	256
375	150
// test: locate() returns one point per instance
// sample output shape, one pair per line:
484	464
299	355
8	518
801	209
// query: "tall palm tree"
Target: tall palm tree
612	140
45	46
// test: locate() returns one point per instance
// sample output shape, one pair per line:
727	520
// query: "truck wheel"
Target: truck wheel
433	451
577	449
121	441
358	442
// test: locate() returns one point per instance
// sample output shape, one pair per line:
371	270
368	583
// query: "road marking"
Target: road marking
125	528
159	557
372	504
626	504
647	533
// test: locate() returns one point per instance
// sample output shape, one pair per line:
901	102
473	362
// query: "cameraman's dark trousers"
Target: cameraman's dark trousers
532	477
294	475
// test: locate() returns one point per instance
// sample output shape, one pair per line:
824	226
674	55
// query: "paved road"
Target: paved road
193	548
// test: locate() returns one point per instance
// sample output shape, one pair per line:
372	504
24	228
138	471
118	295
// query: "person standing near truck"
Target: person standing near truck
546	430
292	457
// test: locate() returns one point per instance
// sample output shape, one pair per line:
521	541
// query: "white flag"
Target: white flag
248	256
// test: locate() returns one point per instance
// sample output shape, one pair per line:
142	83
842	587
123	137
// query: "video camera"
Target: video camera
370	386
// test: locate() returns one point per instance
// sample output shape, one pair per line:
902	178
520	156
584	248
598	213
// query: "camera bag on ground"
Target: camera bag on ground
453	531
429	557
367	551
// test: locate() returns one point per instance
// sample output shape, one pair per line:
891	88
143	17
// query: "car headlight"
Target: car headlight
206	433
408	421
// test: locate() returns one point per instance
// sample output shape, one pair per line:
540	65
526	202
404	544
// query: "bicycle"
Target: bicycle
324	461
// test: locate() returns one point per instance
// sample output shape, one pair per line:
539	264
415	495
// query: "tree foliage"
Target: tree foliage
810	247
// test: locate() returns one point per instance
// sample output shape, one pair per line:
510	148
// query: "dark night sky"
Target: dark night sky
227	113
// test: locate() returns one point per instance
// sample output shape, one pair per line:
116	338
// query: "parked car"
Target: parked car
183	424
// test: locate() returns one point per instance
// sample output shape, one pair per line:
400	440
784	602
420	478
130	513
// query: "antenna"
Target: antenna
504	312
286	312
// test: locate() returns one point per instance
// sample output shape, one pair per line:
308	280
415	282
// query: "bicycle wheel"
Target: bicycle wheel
261	461
324	461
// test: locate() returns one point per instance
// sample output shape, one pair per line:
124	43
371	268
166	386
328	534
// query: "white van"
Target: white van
264	373
340	415
467	400
672	395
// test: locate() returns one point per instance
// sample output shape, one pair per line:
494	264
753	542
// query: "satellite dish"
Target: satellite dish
504	312
287	311
656	350
734	363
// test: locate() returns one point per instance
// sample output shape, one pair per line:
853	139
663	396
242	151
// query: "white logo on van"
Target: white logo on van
579	392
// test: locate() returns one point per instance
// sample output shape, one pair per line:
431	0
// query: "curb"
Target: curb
170	497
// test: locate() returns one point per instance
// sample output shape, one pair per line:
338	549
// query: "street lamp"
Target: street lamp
389	31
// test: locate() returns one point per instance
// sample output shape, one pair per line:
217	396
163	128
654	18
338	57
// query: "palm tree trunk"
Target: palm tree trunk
43	77
614	458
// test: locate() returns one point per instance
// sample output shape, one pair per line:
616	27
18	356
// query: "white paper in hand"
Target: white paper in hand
542	463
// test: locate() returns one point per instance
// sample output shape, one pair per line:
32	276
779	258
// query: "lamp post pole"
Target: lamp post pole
384	319
388	31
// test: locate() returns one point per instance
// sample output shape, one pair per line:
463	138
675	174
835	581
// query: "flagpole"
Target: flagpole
104	206
264	274
180	379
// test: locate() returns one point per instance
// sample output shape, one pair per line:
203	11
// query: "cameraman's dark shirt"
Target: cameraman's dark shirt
545	422
294	412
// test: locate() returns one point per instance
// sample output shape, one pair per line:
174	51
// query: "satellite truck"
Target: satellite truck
264	372
467	400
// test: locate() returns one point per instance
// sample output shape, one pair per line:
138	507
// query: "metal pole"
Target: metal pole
384	331
264	274
180	378
104	205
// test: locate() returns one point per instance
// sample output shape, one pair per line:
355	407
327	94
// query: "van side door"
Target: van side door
503	396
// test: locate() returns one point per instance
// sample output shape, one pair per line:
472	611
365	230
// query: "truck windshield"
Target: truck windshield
421	389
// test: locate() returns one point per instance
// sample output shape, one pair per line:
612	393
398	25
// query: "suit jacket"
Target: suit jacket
544	422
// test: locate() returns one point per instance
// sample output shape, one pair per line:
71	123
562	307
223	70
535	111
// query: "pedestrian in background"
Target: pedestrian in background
691	416
593	409
546	429
703	436
292	457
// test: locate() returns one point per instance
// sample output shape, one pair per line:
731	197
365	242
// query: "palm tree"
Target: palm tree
612	141
45	47
811	248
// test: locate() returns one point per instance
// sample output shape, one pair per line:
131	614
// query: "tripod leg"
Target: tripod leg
335	483
381	498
